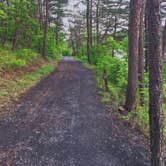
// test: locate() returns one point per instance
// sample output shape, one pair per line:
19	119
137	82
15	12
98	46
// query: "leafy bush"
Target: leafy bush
17	59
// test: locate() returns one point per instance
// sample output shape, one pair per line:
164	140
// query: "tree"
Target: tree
134	24
141	59
57	13
154	44
88	31
164	38
44	52
97	21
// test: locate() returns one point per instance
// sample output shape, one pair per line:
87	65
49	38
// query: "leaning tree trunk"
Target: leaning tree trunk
134	23
154	39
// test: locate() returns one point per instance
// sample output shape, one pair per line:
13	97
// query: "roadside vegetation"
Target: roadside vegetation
114	96
25	36
126	50
123	41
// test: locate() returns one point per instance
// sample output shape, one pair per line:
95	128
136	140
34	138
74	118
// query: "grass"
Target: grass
116	97
10	60
28	80
20	70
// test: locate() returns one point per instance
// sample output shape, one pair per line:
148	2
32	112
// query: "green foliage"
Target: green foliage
20	23
13	88
28	55
17	59
44	71
15	63
116	67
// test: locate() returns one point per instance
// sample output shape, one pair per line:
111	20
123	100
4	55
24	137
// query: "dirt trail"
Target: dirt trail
61	122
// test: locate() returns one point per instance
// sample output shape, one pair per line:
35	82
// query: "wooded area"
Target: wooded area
123	40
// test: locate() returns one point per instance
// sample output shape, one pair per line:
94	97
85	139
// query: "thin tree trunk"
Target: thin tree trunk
91	24
146	49
164	38
114	35
40	14
134	23
15	39
105	77
97	22
141	62
88	33
45	32
156	82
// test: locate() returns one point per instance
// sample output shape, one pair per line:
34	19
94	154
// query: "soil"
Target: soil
62	122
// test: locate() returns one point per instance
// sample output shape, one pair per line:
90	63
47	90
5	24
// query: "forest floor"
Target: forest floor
15	82
62	122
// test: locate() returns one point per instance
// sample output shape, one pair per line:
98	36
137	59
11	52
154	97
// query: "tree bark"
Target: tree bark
114	35
141	62
91	23
146	49
154	43
97	21
88	32
40	13
44	52
164	38
134	23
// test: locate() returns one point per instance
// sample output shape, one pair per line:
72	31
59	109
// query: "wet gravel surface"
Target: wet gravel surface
61	122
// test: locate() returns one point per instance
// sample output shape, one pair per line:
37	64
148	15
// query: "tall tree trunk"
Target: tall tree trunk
97	21
57	34
44	52
40	14
134	23
156	82
91	23
114	35
146	49
141	62
88	32
164	38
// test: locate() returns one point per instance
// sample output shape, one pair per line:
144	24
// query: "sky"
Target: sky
76	7
73	7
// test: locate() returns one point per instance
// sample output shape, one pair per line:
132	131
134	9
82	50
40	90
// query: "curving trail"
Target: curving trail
61	122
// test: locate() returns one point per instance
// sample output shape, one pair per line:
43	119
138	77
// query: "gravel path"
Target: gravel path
61	122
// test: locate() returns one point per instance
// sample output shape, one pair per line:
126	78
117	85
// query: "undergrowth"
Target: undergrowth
22	68
116	68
